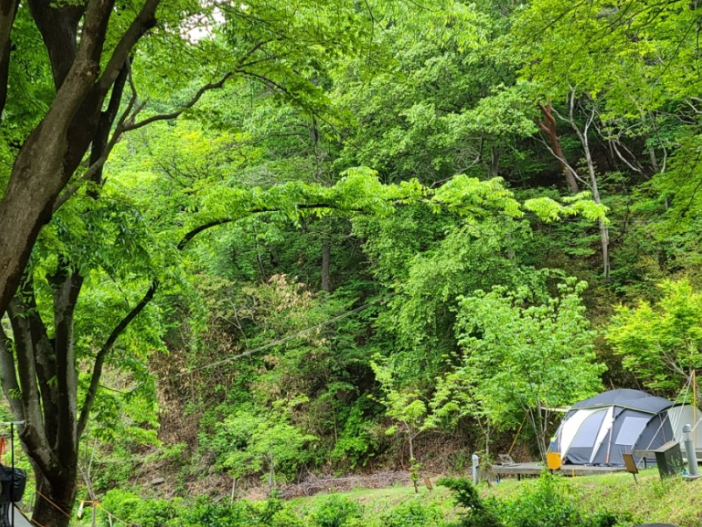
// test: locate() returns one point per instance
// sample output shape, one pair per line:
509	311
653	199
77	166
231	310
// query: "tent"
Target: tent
599	430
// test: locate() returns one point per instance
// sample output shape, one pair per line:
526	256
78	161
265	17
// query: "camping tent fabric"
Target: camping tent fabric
599	430
685	414
633	399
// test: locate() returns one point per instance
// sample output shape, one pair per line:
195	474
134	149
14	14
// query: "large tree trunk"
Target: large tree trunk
55	497
41	368
53	151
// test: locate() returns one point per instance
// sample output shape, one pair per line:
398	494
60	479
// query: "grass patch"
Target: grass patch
651	501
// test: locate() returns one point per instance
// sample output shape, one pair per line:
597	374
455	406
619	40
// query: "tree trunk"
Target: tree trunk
326	253
410	437
53	151
8	10
585	142
56	510
494	162
549	127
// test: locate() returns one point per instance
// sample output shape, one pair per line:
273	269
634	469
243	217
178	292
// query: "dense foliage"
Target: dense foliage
292	238
549	502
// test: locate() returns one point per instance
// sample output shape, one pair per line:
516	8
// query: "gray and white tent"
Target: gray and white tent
599	430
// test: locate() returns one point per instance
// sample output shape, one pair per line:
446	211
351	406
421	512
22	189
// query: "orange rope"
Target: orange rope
53	504
95	503
35	522
112	515
27	517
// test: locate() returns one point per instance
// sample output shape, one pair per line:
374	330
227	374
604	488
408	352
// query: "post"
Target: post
694	407
12	477
691	454
476	463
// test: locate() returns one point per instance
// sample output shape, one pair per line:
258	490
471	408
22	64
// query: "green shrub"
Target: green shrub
133	510
478	513
550	502
127	506
357	443
208	515
337	512
412	514
286	518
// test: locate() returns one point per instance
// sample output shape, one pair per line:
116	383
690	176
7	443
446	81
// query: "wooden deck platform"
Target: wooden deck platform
534	469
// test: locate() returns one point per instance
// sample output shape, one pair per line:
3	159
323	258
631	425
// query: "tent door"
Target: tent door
605	431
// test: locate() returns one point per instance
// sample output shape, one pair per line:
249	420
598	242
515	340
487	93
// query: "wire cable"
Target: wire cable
278	342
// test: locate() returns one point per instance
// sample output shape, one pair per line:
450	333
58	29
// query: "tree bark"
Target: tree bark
594	188
326	255
55	498
550	128
53	151
8	10
40	380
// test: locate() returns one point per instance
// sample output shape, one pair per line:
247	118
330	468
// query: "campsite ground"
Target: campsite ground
521	503
651	500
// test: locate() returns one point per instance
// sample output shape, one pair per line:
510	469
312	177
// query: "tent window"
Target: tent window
588	431
631	430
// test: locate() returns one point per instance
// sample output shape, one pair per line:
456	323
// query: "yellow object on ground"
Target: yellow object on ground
553	461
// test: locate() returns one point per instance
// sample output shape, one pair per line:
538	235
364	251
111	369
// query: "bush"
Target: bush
412	514
133	510
478	513
356	443
127	506
337	512
551	502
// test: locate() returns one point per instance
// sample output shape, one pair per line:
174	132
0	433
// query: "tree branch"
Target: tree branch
98	164
176	113
104	352
8	10
58	26
32	432
145	20
65	300
8	375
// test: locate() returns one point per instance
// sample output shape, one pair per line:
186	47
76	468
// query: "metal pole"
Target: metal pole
691	454
694	406
12	476
476	462
11	494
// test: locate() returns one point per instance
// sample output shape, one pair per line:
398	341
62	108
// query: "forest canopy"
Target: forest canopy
283	238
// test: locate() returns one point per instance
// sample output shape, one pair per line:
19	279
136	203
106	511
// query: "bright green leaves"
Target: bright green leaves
549	210
466	196
521	352
404	405
636	54
360	192
661	343
290	45
250	444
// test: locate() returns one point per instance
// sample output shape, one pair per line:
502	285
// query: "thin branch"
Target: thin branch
176	113
145	20
105	350
8	375
129	113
